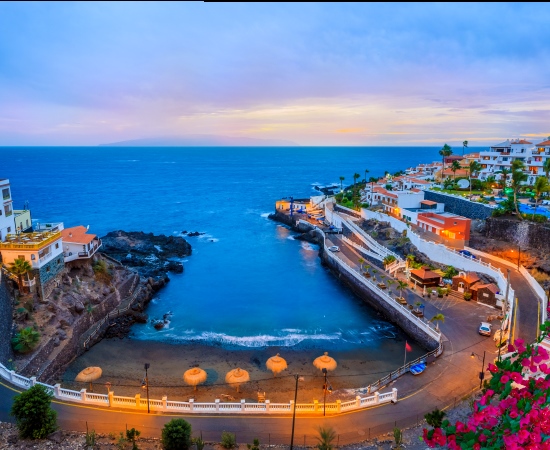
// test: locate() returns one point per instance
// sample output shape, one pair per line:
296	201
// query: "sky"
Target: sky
88	73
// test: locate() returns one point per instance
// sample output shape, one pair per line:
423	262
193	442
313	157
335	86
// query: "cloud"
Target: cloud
124	71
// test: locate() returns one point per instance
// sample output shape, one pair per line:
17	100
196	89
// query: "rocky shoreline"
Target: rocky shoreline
152	257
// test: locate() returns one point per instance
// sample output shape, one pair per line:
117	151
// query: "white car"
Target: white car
485	329
334	248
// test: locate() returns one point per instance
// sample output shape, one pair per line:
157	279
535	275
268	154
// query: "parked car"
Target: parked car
467	254
334	248
485	329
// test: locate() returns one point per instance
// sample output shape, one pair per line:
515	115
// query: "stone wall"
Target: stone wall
460	206
378	303
522	233
6	323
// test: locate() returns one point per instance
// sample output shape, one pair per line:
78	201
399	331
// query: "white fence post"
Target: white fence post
111	398
357	401
191	404
338	406
138	401
394	395
267	404
164	403
57	390
242	404
315	405
376	397
217	401
83	395
33	381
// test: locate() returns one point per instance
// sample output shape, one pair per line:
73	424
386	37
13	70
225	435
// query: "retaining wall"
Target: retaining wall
6	323
460	206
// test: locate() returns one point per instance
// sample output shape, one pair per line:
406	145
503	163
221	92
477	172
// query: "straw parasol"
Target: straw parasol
194	376
325	362
276	364
88	375
237	376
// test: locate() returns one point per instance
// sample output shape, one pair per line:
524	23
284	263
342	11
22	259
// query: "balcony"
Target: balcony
70	256
29	283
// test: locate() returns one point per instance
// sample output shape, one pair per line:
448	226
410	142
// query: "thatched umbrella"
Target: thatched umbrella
237	376
325	362
194	376
276	364
88	375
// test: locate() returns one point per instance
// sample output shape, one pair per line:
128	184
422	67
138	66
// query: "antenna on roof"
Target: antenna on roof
87	227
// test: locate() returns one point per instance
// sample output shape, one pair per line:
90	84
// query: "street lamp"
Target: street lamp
145	385
298	378
482	373
326	387
519	254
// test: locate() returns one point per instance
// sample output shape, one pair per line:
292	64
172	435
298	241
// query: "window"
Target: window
33	257
21	257
47	269
6	193
57	243
9	229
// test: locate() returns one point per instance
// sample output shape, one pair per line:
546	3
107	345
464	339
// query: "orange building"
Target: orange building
445	224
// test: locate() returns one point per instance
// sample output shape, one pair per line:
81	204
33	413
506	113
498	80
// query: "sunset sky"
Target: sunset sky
316	74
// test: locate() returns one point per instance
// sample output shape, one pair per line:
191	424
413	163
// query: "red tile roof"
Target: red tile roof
491	286
425	274
470	277
521	141
543	143
428	202
77	235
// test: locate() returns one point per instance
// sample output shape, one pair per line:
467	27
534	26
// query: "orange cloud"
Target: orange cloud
351	130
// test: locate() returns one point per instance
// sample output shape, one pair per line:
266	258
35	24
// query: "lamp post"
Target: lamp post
145	385
482	373
326	388
298	378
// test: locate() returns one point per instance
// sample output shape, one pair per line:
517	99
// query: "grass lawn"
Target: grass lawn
461	192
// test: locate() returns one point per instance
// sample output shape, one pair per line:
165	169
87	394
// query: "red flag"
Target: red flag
408	347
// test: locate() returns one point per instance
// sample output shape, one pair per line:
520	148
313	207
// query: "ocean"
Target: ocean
248	283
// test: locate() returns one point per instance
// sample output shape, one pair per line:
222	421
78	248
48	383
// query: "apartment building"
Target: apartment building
7	224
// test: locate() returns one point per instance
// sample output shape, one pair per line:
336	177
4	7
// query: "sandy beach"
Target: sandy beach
122	362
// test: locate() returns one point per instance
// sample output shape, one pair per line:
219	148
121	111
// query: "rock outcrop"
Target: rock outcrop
150	255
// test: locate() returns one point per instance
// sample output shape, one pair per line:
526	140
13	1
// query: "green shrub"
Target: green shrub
102	272
255	445
25	340
326	438
229	440
176	435
132	434
90	438
435	418
199	443
398	436
34	417
467	295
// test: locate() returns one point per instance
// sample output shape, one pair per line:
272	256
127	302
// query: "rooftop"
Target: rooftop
77	235
540	144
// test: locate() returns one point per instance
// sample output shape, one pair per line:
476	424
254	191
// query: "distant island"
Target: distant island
202	140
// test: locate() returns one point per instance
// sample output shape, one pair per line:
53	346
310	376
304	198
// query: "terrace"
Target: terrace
29	241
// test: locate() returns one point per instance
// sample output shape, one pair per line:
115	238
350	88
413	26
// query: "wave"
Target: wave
291	238
265	215
264	340
308	246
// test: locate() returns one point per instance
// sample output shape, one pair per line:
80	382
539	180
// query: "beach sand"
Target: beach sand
122	362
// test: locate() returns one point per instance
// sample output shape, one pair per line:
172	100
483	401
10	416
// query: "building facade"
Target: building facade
7	224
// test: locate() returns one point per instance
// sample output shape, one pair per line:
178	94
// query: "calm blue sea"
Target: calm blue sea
248	282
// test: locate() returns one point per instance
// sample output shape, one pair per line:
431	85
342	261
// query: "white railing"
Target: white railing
29	283
242	407
362	249
434	334
395	266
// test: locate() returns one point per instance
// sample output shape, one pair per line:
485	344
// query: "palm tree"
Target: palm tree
464	145
546	167
489	181
454	167
518	177
355	177
341	180
444	152
388	260
504	172
25	340
326	438
20	267
436	319
361	261
450	272
401	285
366	171
541	186
473	169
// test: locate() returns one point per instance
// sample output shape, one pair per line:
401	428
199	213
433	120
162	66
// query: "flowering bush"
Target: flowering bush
513	412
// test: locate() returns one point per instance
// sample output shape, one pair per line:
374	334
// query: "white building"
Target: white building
7	224
501	155
77	244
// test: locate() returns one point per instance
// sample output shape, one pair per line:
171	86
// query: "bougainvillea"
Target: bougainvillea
513	412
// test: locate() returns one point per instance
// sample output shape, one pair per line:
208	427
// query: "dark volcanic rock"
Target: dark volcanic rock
150	255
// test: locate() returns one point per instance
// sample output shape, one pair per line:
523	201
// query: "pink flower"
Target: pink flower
504	379
511	348
525	362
